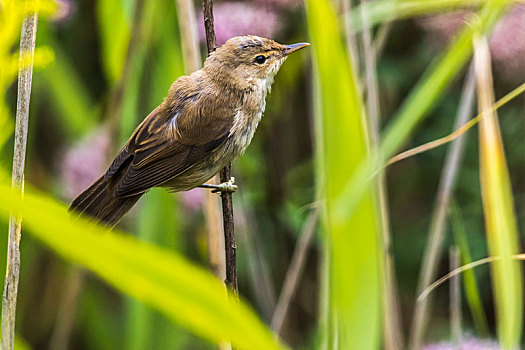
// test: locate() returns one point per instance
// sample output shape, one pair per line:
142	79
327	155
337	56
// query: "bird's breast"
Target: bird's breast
246	119
243	129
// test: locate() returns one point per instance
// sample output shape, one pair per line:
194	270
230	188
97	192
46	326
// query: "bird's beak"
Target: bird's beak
294	47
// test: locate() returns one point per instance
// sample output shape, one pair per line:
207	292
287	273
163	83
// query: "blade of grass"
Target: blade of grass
251	250
500	220
70	100
471	285
458	132
67	310
455	298
114	31
157	223
212	211
294	272
390	10
352	254
185	293
393	337
157	219
438	221
463	269
417	105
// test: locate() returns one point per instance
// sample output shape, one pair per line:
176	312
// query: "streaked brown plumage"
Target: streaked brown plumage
207	120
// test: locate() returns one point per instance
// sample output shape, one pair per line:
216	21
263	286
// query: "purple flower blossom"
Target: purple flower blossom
84	163
241	18
466	344
280	3
193	199
64	10
507	41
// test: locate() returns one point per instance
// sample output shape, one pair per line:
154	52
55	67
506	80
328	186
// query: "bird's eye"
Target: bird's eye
260	59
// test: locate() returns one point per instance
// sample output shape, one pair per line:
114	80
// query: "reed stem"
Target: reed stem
25	77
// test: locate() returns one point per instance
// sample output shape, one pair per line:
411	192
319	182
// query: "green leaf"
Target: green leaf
471	285
69	98
114	31
182	291
388	10
418	104
498	207
352	250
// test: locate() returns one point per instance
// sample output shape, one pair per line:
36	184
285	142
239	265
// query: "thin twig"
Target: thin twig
225	174
437	226
229	233
25	77
294	272
393	339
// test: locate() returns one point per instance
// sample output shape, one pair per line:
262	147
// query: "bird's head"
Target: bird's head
247	60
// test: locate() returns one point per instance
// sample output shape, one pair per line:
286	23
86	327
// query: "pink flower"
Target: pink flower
64	10
241	18
193	199
465	344
281	3
84	163
507	41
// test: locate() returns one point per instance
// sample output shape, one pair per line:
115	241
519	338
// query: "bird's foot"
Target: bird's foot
228	186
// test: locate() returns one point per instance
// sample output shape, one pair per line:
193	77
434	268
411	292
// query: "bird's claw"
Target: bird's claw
228	186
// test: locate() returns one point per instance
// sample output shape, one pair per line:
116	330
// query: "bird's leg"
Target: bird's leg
228	186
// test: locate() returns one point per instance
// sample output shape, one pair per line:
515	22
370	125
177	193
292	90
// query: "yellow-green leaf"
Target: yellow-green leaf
352	250
184	292
498	207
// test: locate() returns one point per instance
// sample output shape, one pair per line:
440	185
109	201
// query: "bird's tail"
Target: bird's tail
99	202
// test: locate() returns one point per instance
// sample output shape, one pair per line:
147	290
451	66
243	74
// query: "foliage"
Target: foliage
351	240
162	297
182	291
11	15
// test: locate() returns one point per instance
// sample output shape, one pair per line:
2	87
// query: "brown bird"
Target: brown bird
207	120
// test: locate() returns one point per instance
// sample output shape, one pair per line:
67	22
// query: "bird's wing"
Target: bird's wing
168	142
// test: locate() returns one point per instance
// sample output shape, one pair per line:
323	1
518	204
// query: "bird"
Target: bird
207	120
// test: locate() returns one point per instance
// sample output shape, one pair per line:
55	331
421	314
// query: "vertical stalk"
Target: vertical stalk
189	36
294	272
225	174
393	339
25	76
439	216
455	297
192	62
498	207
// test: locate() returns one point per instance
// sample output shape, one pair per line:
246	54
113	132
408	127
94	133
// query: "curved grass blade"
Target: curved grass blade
185	293
498	207
458	132
391	10
418	104
472	293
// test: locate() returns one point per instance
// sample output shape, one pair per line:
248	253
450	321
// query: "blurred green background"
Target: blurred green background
102	84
